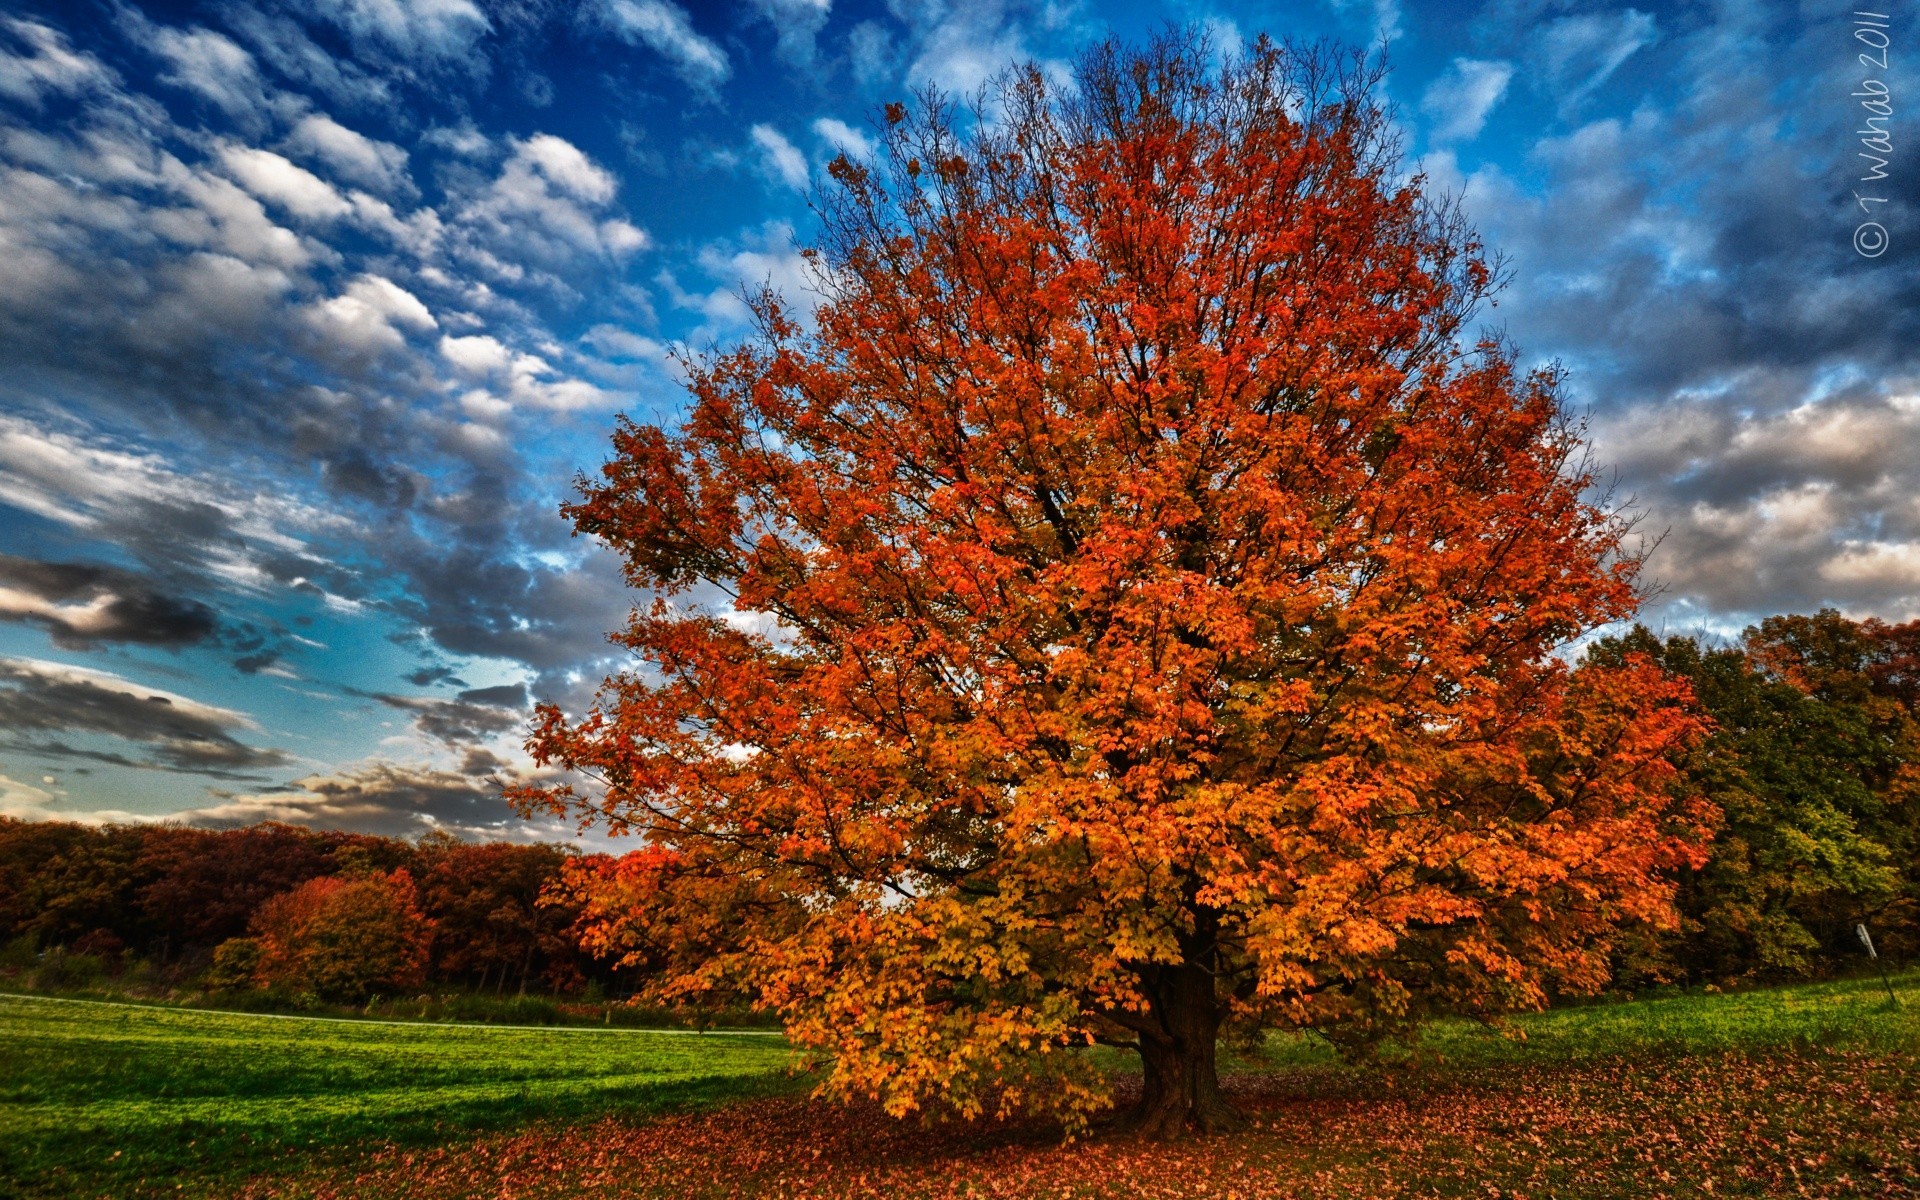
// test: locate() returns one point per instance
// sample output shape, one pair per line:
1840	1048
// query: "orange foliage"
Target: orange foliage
1834	1124
1126	612
344	937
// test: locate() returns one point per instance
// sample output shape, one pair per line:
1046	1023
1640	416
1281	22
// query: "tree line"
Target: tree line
1813	765
332	915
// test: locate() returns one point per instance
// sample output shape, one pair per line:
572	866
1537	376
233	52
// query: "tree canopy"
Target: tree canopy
1125	610
1812	767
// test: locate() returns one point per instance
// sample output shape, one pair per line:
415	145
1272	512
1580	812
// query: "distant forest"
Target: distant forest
1814	769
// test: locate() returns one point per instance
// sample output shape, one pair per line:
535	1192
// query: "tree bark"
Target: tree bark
1180	1091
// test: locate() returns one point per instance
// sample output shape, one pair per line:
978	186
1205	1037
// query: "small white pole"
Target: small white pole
1866	939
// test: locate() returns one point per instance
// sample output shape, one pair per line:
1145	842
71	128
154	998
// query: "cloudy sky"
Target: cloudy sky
311	309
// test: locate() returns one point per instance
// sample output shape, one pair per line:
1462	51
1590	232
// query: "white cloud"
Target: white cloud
622	238
371	317
530	381
1385	13
51	67
283	43
545	209
767	256
1461	99
567	168
779	158
464	139
375	165
518	380
844	138
424	32
106	489
963	45
225	219
664	28
870	51
796	23
476	355
211	65
26	802
618	343
1579	53
278	181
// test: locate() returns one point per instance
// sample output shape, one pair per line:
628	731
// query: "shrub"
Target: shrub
343	938
234	965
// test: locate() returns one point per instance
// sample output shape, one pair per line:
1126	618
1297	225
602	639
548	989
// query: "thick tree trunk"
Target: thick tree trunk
1180	1091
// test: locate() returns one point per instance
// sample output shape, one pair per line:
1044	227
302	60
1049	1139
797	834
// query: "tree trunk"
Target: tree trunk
1180	1091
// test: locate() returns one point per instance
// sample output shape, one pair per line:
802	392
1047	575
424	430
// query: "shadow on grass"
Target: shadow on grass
199	1157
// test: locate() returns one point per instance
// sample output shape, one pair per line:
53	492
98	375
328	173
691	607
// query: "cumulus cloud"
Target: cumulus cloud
467	722
1749	377
276	180
372	316
427	34
49	67
844	138
213	377
1460	100
81	604
381	797
1815	506
181	527
1579	53
665	28
208	64
372	164
44	703
515	379
476	355
548	206
780	159
796	24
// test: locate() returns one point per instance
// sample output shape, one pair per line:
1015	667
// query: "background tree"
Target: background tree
490	924
64	884
1816	762
205	885
344	937
1126	612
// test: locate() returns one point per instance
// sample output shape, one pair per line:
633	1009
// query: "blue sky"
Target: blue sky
313	308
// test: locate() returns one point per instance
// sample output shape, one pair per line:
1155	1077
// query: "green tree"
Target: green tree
1812	774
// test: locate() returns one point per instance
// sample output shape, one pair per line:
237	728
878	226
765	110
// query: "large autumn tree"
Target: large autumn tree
1125	611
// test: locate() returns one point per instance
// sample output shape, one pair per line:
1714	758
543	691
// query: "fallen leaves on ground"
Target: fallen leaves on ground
1812	1122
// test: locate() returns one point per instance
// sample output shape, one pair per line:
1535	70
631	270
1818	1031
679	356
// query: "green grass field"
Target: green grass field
101	1099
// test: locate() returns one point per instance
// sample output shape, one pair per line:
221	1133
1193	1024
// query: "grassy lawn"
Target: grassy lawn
1794	1091
107	1099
